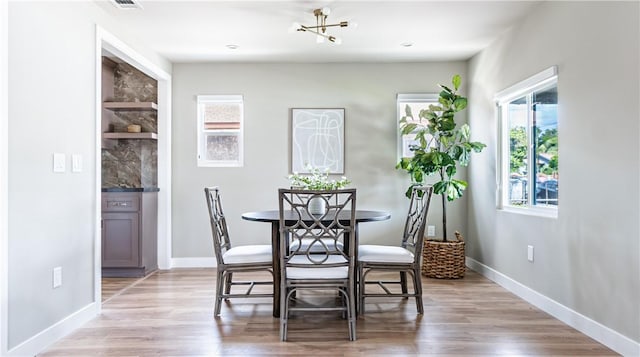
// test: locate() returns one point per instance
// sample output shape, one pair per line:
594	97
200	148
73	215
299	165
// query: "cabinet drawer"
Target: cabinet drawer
120	202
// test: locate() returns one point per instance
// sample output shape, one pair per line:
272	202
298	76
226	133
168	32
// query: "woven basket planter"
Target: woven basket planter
444	260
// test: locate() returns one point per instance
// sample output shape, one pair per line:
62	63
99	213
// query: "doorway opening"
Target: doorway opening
133	167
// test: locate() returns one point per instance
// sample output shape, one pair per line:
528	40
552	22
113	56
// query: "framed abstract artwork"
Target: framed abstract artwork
317	140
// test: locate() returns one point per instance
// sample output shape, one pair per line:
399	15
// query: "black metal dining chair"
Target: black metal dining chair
321	266
404	259
248	258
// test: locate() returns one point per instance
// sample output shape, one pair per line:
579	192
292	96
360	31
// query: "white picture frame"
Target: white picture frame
317	139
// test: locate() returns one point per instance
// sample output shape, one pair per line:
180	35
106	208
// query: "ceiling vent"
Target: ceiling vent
126	4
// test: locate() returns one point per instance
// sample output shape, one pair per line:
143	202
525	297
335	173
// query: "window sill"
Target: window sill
220	164
531	211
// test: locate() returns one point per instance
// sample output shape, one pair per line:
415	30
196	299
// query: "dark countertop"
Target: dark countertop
130	189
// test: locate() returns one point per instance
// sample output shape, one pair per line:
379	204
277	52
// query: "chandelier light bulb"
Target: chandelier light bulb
319	39
337	40
326	11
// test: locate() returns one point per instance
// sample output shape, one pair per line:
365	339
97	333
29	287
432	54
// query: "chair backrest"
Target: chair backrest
325	233
413	237
219	231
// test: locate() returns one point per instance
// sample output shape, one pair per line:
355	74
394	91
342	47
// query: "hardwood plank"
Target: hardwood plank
170	313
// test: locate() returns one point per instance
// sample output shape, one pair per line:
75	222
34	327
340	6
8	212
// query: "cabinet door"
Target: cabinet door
120	240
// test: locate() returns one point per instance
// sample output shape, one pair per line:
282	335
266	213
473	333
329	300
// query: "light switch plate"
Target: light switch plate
76	163
59	162
431	231
57	277
530	253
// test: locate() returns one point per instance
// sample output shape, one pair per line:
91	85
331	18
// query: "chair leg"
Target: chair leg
227	283
219	289
284	311
351	313
417	286
361	292
403	281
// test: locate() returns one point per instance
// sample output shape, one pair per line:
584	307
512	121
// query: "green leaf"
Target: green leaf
451	170
477	146
435	108
440	187
446	89
408	192
407	129
460	183
446	95
465	132
436	158
456	81
460	103
407	111
423	141
418	177
447	124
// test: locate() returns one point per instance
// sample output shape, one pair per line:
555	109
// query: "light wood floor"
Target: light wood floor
114	286
170	314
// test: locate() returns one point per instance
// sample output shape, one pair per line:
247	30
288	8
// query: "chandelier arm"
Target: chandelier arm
328	37
342	24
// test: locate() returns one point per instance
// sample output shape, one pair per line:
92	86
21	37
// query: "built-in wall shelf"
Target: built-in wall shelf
130	106
151	136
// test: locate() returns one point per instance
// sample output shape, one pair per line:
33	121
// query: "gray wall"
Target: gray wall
52	109
368	94
588	258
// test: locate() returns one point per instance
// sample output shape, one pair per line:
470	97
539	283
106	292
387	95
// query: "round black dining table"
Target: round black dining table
273	217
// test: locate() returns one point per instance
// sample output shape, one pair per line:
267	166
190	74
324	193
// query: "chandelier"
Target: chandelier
320	29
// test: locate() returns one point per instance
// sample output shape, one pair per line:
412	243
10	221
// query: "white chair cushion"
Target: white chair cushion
385	254
248	254
315	272
317	247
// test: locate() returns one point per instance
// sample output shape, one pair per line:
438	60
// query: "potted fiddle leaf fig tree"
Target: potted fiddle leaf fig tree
441	147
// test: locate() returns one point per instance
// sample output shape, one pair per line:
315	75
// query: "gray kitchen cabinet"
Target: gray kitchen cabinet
129	233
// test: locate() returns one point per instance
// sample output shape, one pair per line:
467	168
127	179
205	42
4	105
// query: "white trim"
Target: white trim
201	101
549	212
164	175
108	42
4	174
50	335
603	334
202	262
516	90
401	100
417	97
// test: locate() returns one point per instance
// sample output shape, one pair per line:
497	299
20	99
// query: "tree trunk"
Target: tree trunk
444	209
444	217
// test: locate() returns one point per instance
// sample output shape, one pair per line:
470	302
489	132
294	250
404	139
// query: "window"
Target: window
220	128
416	102
528	119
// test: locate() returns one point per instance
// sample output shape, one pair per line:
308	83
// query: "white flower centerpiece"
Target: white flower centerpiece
317	180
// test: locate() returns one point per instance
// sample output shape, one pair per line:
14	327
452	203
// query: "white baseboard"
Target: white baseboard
203	262
603	334
47	337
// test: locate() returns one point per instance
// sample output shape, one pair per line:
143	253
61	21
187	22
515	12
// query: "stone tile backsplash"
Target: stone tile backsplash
131	163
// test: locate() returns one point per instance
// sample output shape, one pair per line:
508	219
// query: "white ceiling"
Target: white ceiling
198	31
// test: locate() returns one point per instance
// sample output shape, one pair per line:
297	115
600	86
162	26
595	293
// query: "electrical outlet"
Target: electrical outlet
431	231
530	253
57	277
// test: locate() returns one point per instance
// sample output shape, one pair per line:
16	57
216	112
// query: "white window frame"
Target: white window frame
544	79
202	100
402	100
